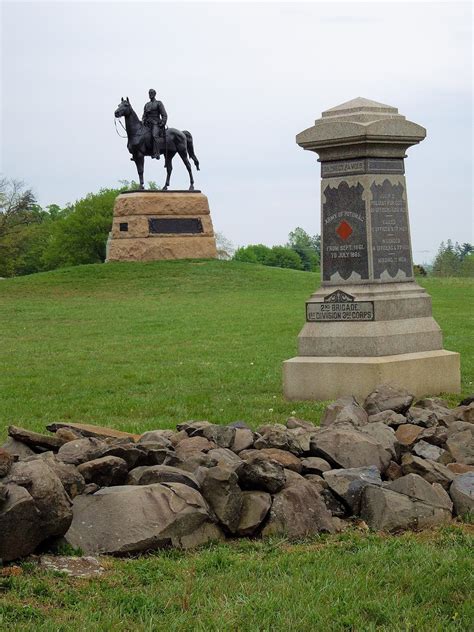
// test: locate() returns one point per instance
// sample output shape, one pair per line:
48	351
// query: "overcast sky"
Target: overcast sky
244	78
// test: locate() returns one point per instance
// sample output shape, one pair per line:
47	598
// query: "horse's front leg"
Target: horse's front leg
169	169
140	162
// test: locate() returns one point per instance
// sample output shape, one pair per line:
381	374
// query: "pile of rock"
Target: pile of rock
393	464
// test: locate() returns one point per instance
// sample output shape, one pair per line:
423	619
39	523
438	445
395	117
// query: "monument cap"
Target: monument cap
361	128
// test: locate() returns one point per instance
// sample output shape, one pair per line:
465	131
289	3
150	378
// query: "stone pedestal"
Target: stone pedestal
370	321
153	225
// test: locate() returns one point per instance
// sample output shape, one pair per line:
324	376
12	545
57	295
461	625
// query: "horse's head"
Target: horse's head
124	108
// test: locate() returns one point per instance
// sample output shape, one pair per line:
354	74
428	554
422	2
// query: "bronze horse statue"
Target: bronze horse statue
140	144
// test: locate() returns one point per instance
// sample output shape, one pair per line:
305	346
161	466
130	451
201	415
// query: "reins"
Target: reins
118	133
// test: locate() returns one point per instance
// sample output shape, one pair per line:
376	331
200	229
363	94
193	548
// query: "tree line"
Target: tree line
35	239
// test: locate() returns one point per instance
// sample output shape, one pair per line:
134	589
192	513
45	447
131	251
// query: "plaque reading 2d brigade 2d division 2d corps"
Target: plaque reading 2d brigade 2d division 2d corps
339	306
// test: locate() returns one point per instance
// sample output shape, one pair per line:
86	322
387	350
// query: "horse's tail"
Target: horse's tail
190	148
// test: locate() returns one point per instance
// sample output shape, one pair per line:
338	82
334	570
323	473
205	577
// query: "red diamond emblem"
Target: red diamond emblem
344	230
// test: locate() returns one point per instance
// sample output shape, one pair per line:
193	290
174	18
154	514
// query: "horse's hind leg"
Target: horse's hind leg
184	157
140	161
169	168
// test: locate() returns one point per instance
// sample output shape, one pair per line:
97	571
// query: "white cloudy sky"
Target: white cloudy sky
244	78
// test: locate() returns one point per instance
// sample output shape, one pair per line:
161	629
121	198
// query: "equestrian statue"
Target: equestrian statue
151	137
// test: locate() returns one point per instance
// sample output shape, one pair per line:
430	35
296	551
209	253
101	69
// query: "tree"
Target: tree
80	234
284	257
308	248
17	206
252	254
225	248
447	261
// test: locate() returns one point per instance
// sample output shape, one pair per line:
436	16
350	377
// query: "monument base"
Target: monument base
155	225
323	378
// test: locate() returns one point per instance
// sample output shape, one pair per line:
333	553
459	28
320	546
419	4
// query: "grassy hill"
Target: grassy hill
141	346
147	345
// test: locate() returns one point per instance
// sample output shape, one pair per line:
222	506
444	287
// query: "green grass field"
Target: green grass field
143	346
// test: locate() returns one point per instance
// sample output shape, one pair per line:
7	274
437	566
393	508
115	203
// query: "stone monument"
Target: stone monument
152	225
369	322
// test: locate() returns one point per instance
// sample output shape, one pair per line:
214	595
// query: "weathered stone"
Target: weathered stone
83	567
191	445
460	468
154	455
242	425
90	430
422	417
317	481
347	448
388	510
49	496
461	446
432	452
393	471
302	439
243	440
225	457
207	532
166	474
429	470
6	460
131	453
416	487
20	528
105	471
462	493
293	422
159	437
407	434
219	486
82	450
132	519
17	449
222	436
70	477
67	434
198	459
255	507
286	459
437	435
348	484
333	504
387	397
91	488
383	435
314	465
467	413
298	511
192	427
292	477
177	437
278	437
258	473
3	493
345	410
134	475
35	440
389	417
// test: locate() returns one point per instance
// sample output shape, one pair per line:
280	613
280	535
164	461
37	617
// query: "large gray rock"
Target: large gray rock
429	470
385	436
192	445
387	397
220	488
418	488
17	449
35	440
132	519
70	477
243	440
82	450
388	417
462	493
388	510
422	417
106	471
347	448
196	460
345	410
20	527
298	511
280	437
255	507
49	496
131	453
461	446
314	465
3	494
259	473
293	422
349	484
222	436
286	459
426	450
166	474
159	437
225	457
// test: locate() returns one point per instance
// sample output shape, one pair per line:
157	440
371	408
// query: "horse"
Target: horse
140	144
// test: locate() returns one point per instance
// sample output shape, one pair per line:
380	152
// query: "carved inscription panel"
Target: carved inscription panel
390	233
344	233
